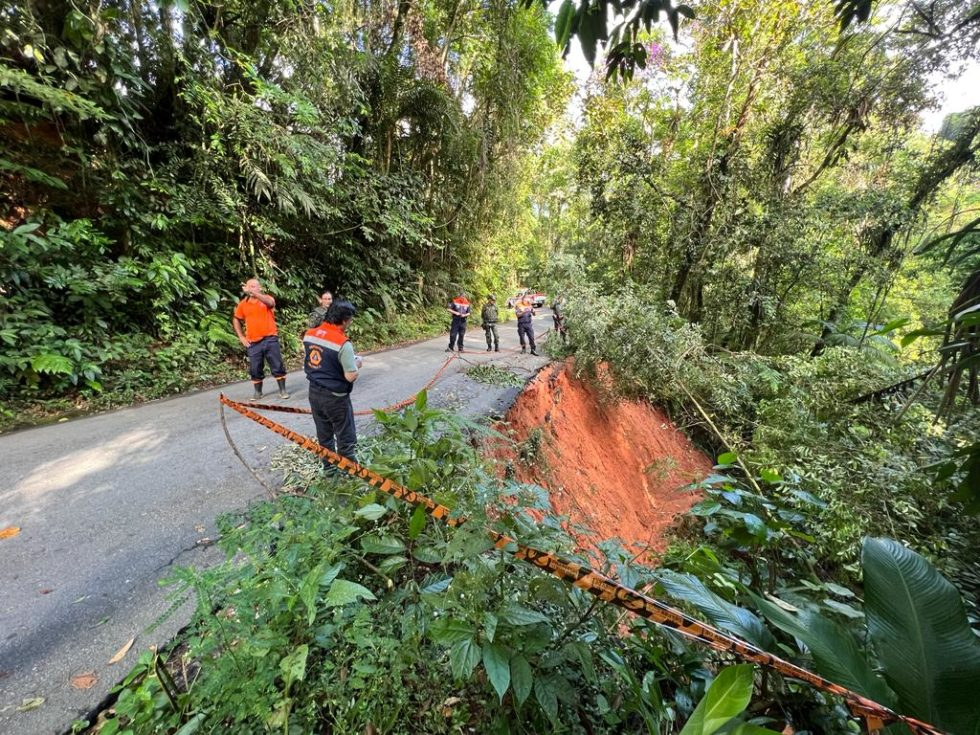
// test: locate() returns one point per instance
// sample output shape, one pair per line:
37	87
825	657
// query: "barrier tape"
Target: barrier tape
606	589
387	409
365	411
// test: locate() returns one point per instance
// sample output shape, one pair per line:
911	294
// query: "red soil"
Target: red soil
618	468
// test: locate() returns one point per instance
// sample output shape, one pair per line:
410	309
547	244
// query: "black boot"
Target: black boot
257	393
282	389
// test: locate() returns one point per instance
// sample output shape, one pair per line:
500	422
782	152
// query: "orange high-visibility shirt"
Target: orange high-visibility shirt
260	320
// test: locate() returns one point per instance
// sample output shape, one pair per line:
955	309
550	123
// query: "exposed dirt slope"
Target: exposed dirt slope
618	468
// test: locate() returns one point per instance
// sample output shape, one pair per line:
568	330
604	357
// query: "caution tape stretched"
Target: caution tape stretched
606	589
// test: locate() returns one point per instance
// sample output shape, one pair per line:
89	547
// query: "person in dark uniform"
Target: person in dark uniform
489	318
332	366
260	337
460	309
525	325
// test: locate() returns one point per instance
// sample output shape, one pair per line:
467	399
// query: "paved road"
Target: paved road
107	504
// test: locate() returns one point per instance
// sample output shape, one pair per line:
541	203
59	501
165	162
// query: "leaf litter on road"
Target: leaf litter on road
121	653
9	532
84	681
30	703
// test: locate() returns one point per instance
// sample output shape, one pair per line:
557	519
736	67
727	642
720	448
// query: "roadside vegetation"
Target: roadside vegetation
750	230
156	156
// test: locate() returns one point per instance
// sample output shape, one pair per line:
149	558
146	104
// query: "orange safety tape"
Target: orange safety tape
363	412
407	401
605	588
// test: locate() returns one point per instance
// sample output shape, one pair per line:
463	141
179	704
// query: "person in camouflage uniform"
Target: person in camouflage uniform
558	315
320	313
490	317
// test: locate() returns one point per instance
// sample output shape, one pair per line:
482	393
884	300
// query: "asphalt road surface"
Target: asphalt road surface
107	504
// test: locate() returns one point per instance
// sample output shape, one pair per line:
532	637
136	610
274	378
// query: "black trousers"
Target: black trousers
334	419
265	350
528	331
456	331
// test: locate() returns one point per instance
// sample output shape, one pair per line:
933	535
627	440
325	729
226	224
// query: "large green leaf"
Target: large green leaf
519	615
727	697
835	652
450	630
463	657
344	592
522	677
722	613
563	25
546	693
496	660
382	544
51	363
293	665
930	656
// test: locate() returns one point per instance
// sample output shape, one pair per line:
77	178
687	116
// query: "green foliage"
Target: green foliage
929	653
726	698
146	172
920	637
332	595
494	375
858	467
756	178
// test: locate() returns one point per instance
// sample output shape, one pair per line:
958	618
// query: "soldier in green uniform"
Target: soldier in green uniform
490	317
320	313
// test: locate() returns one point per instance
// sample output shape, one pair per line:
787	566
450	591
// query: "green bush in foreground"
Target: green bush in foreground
342	610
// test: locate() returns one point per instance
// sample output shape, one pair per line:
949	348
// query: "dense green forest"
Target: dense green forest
157	154
750	227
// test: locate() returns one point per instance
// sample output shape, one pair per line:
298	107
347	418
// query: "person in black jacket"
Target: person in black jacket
460	309
332	366
525	324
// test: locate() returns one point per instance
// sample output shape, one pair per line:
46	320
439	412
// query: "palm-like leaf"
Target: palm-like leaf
834	650
930	656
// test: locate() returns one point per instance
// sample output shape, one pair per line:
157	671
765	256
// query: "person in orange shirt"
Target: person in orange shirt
260	336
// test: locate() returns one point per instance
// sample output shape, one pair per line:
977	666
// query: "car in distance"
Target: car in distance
538	298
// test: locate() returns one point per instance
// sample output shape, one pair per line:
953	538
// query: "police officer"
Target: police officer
332	366
525	326
489	317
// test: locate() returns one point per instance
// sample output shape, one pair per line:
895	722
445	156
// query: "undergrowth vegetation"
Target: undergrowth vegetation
341	609
871	465
153	158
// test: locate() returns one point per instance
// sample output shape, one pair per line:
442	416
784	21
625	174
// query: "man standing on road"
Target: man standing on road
320	313
525	325
490	317
261	336
460	309
332	367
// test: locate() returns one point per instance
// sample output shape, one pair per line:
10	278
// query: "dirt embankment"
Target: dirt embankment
616	467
